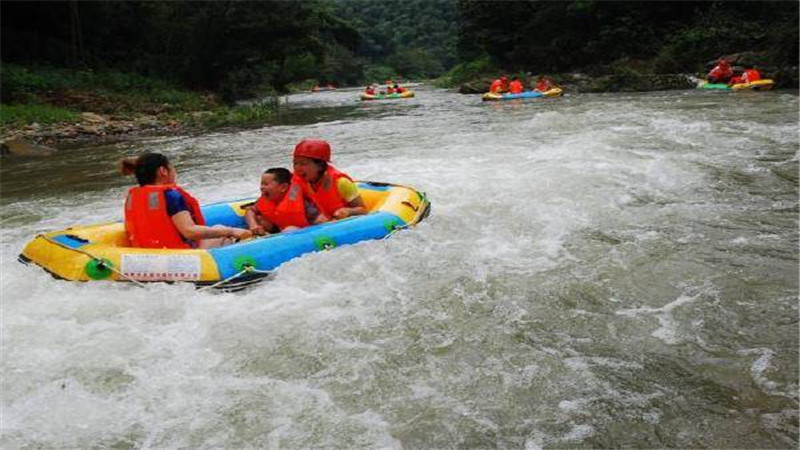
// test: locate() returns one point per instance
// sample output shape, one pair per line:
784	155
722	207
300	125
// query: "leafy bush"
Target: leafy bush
467	71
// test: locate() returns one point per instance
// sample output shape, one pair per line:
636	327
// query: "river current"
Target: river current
616	270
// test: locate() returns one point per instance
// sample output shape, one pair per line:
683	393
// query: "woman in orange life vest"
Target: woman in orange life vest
515	87
333	191
159	214
283	206
544	84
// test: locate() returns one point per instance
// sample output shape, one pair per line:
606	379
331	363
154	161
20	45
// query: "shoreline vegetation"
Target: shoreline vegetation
90	72
47	108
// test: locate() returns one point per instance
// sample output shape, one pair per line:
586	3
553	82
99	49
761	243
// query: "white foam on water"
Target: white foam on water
474	323
669	331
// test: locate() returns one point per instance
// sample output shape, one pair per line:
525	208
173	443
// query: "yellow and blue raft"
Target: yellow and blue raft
102	252
406	94
554	92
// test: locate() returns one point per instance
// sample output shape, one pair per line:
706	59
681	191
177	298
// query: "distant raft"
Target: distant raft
102	252
759	85
406	94
555	92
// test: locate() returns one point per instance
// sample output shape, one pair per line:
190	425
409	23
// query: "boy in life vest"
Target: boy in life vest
283	206
515	87
721	73
334	191
159	214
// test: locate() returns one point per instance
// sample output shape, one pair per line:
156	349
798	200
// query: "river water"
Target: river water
616	270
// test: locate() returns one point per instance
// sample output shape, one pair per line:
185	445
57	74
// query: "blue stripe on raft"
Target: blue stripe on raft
270	252
374	187
70	241
526	94
222	214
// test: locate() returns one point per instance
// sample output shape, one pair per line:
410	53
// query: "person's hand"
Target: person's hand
240	233
341	213
258	230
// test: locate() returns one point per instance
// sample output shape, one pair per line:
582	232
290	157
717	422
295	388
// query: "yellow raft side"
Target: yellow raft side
406	94
760	85
108	241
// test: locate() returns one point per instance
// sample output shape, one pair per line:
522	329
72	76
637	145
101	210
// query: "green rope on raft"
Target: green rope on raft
98	269
244	262
324	243
391	225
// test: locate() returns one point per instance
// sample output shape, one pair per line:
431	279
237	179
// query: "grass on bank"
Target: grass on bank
48	96
21	115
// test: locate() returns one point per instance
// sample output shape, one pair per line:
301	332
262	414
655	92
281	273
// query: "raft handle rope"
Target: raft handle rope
100	261
247	269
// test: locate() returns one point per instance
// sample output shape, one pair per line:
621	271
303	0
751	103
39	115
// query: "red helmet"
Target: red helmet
314	149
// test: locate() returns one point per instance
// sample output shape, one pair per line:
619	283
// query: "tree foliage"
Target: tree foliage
416	38
560	36
228	46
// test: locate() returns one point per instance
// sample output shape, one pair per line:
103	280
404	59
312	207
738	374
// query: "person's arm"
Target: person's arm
185	224
353	201
256	223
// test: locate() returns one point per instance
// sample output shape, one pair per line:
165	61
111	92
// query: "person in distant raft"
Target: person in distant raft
750	74
721	73
334	191
369	90
499	85
159	214
399	89
283	206
543	84
515	87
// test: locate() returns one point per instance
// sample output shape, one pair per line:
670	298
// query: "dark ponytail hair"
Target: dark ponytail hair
144	167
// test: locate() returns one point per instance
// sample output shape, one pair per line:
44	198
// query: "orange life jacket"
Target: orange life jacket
326	192
721	72
751	75
147	222
290	212
497	86
515	87
543	86
390	90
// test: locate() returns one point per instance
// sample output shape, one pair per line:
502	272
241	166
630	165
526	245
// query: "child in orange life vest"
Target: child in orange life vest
333	191
283	206
544	84
159	214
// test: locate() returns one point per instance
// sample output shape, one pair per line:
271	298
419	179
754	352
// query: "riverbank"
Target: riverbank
44	109
621	76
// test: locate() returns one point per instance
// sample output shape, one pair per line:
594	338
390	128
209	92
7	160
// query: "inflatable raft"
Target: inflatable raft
760	85
102	252
406	94
555	92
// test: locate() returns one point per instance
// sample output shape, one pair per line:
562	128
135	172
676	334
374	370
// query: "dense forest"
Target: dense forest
240	49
